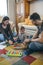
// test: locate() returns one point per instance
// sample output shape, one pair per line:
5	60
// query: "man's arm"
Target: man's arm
35	35
40	39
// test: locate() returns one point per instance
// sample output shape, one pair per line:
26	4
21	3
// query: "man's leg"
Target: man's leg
36	46
33	47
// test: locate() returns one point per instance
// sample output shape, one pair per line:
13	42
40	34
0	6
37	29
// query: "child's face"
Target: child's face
22	31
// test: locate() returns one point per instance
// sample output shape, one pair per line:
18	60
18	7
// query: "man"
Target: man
37	39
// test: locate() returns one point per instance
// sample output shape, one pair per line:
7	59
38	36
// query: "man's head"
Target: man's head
22	30
35	17
5	20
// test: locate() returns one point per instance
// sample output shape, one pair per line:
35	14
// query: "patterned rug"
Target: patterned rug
32	59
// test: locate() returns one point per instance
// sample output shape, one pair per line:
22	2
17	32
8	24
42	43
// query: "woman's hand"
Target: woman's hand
10	42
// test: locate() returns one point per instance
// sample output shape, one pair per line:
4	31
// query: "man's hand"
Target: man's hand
10	42
27	40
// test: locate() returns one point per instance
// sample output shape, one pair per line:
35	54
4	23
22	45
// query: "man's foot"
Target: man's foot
28	52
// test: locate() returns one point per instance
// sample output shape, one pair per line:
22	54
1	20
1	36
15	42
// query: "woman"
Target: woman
5	31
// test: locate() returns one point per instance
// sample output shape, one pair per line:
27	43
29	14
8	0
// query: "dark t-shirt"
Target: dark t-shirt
40	28
6	32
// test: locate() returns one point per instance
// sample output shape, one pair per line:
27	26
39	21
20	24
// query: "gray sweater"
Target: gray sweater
22	36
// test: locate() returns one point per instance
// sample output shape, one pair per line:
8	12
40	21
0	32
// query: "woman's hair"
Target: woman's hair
35	16
5	18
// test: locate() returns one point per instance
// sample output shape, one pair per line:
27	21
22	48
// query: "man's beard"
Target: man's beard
36	24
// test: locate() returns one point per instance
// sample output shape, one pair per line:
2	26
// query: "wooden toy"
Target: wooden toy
14	53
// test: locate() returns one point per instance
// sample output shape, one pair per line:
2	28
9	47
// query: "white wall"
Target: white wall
37	6
11	9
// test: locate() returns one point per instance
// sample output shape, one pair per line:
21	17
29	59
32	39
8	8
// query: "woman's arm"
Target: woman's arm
10	31
11	34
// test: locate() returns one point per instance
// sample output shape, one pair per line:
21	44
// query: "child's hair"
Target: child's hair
22	28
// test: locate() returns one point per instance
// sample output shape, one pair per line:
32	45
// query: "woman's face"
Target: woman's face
6	22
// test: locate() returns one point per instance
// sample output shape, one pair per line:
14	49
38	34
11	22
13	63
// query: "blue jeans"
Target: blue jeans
2	38
33	47
36	46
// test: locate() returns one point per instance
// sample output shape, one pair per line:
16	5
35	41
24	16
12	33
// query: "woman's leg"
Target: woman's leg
14	34
2	37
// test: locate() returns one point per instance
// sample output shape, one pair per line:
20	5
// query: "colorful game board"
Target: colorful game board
14	53
19	46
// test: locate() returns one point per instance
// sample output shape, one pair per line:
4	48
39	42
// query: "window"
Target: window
3	7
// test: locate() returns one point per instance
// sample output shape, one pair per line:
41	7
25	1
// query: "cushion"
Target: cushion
28	22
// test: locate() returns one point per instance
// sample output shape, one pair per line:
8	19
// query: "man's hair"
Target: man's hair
35	16
5	18
22	28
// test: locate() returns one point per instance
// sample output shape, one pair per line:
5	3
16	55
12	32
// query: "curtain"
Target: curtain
3	7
